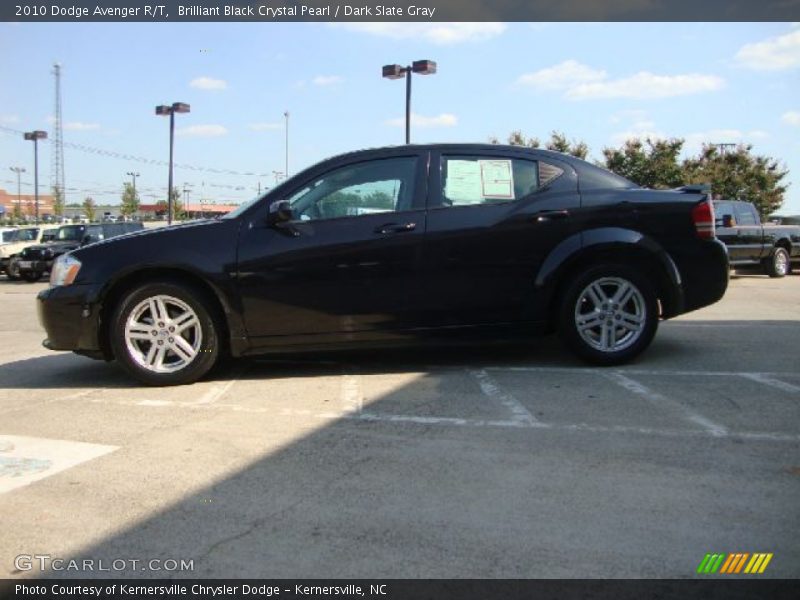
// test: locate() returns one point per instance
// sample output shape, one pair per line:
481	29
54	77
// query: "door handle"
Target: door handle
550	215
395	228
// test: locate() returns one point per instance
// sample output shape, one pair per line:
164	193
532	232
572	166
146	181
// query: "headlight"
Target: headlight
65	270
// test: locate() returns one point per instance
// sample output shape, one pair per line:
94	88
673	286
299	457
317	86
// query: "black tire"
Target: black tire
31	276
615	321
172	362
778	265
12	270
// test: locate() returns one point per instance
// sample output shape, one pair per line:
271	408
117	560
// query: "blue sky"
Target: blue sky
599	82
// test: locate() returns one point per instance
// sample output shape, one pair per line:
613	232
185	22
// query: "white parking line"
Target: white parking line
491	389
218	390
351	396
771	381
764	436
660	400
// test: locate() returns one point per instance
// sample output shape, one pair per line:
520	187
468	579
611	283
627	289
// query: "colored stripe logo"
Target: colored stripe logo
734	562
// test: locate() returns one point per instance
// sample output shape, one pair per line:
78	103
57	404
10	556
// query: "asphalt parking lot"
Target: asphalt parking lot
489	462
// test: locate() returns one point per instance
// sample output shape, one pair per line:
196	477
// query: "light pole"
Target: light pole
286	167
186	191
164	110
421	67
35	136
133	176
19	171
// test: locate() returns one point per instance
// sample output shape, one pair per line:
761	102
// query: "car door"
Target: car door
343	266
727	231
493	218
750	234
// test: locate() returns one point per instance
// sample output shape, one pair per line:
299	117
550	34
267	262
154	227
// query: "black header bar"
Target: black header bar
399	10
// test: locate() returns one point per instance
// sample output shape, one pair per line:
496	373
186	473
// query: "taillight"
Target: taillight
703	217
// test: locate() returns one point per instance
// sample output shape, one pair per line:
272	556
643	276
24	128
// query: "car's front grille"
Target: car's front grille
32	254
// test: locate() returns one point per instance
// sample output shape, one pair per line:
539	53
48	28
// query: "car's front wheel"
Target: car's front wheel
609	314
12	271
164	334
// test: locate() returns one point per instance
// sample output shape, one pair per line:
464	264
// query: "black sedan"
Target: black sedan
404	245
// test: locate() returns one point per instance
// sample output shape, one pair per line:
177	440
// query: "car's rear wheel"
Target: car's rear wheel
164	334
777	265
609	314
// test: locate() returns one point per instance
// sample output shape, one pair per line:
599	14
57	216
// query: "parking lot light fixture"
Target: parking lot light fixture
35	136
164	110
420	67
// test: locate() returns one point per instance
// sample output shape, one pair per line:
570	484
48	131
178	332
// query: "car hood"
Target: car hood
64	245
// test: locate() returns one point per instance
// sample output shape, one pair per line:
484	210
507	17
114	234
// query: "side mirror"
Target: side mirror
728	221
87	239
280	212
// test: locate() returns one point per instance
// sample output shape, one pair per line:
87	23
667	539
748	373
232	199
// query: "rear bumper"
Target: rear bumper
70	316
704	275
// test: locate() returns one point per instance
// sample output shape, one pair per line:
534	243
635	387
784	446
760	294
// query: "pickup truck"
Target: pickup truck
772	248
35	261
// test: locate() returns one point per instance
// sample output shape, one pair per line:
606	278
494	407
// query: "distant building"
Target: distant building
27	203
193	210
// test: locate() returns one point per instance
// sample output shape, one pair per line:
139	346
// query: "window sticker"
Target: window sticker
497	179
464	184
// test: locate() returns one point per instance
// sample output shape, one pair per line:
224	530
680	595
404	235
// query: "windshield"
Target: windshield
242	208
28	235
71	233
10	236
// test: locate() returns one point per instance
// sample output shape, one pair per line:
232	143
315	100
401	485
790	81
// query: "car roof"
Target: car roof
444	147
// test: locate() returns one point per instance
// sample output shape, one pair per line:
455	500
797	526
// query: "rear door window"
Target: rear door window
476	180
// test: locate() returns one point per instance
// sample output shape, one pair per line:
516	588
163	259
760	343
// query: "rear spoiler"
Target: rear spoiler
695	188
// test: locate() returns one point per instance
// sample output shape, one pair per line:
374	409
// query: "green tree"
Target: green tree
58	201
517	138
130	200
559	143
740	175
177	205
89	208
649	163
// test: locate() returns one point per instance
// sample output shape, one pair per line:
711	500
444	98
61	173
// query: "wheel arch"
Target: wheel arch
115	290
617	246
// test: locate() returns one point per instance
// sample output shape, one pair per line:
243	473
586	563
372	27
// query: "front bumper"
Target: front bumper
70	316
35	266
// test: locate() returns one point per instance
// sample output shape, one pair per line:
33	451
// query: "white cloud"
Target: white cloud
581	82
203	131
645	85
323	80
436	33
208	83
791	117
9	119
265	126
562	76
442	120
773	54
80	126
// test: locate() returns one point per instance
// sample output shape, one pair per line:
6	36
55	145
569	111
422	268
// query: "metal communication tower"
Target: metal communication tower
57	156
